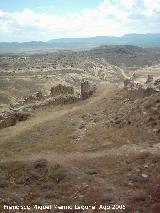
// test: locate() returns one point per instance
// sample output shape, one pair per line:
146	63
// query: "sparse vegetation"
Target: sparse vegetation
103	149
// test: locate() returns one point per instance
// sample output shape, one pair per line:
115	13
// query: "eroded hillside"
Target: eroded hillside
95	148
21	76
104	150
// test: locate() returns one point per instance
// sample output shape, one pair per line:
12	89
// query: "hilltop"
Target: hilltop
142	40
81	127
106	146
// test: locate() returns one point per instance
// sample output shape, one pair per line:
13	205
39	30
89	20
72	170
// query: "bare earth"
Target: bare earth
104	150
99	150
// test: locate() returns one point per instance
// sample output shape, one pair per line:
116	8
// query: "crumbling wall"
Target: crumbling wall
149	79
137	90
87	89
36	96
62	90
62	99
157	84
126	82
140	93
8	119
59	95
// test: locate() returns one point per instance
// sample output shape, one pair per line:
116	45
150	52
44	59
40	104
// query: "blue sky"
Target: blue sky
48	19
58	6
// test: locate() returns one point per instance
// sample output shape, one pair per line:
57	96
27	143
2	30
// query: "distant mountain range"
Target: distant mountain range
143	40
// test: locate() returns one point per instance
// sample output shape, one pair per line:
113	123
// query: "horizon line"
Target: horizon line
60	38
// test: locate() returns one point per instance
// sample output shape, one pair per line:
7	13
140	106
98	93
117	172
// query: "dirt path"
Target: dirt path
68	158
56	113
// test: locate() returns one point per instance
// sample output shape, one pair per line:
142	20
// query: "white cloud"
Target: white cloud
1	13
110	17
151	6
128	4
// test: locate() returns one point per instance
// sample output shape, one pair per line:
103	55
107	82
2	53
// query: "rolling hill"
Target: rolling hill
143	40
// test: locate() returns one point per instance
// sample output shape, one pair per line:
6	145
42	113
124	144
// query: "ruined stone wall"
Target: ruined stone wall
149	79
59	95
62	99
8	119
62	90
157	84
137	90
140	93
87	89
36	96
126	82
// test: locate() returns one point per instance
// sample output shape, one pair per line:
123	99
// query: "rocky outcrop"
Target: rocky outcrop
61	90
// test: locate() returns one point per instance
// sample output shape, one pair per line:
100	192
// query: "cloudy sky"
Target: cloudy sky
48	19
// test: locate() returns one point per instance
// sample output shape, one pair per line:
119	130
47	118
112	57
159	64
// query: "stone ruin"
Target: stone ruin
65	91
149	79
138	90
128	83
87	89
10	118
157	84
60	94
36	96
62	90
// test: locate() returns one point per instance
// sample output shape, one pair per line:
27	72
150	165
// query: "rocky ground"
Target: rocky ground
22	75
103	150
40	73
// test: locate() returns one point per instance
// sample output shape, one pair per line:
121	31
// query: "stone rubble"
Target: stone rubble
139	90
60	94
